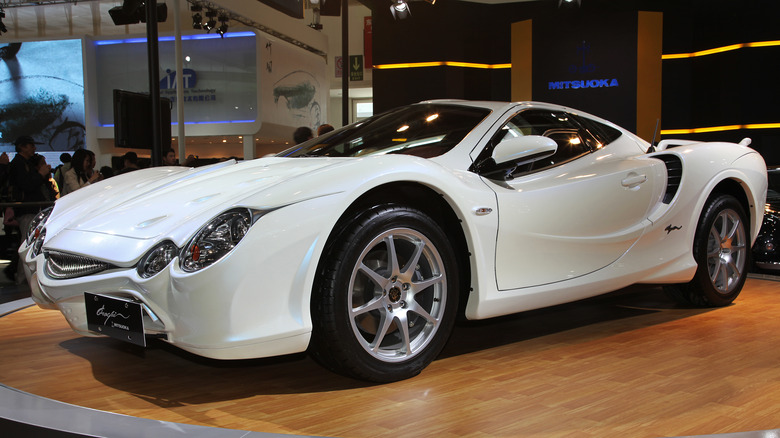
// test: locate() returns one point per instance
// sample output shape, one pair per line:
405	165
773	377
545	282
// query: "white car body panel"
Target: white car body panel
255	302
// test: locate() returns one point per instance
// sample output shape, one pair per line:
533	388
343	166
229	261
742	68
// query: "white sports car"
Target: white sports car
364	245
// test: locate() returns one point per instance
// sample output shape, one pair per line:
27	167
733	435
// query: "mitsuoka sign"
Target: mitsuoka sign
583	66
593	83
592	65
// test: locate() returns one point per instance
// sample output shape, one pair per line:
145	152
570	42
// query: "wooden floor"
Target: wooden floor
629	364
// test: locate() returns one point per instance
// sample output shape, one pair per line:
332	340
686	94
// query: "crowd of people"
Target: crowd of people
29	184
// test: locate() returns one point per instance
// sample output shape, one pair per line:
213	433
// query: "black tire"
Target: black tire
377	316
721	249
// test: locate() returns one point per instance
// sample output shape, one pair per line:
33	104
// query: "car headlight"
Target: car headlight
38	244
157	259
216	239
36	225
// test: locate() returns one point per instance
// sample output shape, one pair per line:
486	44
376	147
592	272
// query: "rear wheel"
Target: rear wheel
385	301
721	251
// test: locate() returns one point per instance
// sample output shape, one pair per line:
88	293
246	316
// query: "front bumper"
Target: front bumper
250	304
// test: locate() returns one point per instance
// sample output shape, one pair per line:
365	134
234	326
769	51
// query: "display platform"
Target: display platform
631	363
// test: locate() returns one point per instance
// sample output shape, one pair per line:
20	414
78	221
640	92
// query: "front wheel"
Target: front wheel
385	301
721	250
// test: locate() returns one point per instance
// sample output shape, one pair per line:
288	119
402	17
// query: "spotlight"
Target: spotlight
315	7
223	28
197	21
211	23
400	10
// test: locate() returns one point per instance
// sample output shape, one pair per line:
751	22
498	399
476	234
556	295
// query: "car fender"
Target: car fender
329	196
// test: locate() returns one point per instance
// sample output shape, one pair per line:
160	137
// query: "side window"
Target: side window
601	133
573	137
573	141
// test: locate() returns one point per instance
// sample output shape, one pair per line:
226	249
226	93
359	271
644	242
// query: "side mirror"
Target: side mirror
514	152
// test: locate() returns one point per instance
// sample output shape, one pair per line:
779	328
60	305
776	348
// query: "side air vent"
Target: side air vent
674	175
60	265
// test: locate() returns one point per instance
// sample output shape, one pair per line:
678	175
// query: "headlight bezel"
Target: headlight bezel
157	259
37	225
210	243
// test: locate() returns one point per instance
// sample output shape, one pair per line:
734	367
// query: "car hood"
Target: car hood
148	203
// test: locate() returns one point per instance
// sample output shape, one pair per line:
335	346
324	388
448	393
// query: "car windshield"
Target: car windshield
424	130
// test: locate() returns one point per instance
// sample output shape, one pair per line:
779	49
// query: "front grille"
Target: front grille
60	265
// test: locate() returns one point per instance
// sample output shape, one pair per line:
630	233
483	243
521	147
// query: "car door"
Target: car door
572	213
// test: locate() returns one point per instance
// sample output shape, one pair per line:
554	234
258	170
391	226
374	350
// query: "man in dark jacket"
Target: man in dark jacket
26	184
26	181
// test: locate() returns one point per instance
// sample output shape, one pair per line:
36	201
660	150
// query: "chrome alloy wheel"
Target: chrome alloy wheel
397	294
726	251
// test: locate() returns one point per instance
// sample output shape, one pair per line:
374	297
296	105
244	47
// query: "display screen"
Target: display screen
42	94
133	120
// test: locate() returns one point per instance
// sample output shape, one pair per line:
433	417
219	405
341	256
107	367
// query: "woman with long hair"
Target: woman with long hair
81	172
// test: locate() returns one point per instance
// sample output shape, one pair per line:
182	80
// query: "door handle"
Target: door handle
633	180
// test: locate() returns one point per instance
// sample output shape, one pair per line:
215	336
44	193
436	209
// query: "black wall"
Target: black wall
737	87
568	47
446	31
731	88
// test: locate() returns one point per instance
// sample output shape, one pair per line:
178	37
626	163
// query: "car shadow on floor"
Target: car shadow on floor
157	373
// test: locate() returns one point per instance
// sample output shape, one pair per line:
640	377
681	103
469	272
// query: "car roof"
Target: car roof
498	105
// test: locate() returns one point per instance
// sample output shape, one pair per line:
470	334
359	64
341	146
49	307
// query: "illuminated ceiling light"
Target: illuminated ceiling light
432	117
400	10
567	3
403	128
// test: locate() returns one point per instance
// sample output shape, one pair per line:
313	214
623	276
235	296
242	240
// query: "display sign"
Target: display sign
368	38
591	66
219	75
294	88
355	67
339	66
120	319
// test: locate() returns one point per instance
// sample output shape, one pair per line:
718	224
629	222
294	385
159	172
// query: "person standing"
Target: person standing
59	171
324	129
169	158
81	172
27	184
130	160
302	134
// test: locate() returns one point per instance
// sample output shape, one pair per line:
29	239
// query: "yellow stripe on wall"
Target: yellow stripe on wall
509	65
441	64
720	128
721	49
